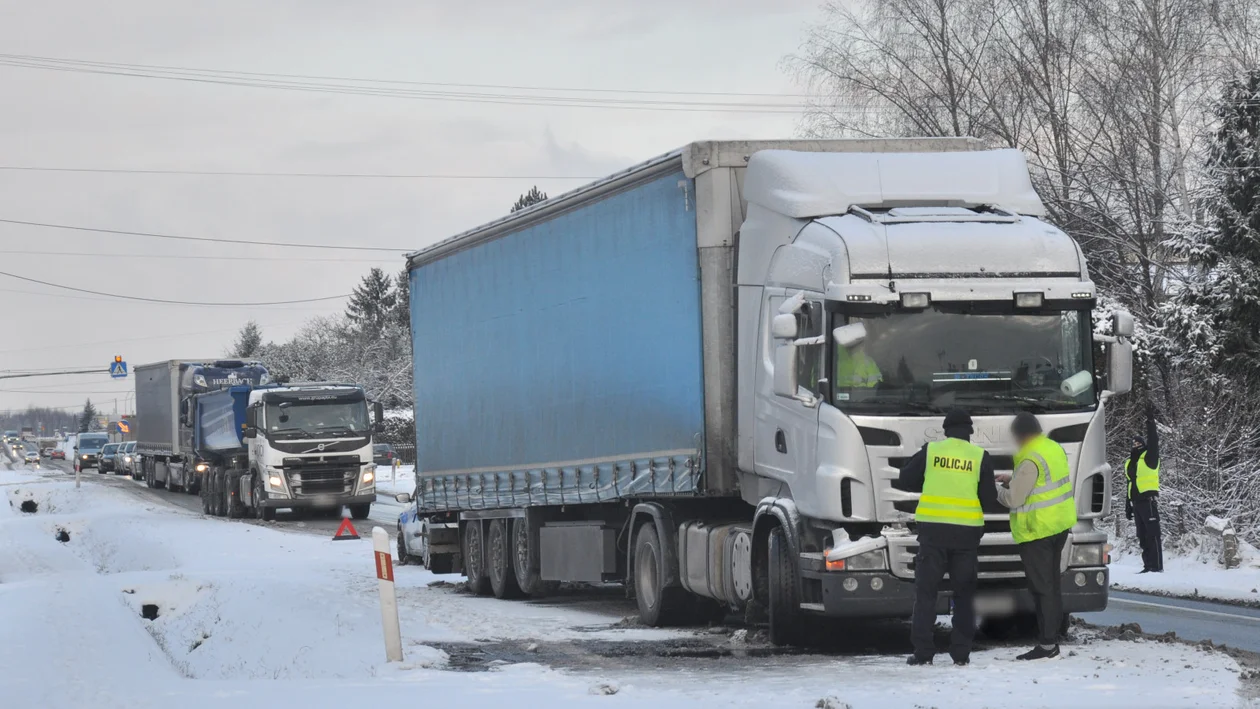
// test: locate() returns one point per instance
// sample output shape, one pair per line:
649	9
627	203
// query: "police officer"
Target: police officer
1043	510
956	480
1141	502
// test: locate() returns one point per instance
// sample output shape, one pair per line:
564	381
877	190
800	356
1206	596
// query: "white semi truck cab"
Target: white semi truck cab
309	446
875	293
701	376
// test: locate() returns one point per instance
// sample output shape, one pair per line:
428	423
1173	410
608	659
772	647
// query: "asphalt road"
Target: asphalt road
1223	624
384	513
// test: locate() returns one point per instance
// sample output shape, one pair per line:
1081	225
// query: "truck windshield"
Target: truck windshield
922	363
317	417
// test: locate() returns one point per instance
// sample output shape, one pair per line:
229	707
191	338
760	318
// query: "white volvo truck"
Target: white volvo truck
700	376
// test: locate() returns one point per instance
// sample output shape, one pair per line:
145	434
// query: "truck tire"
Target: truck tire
261	512
525	562
232	506
786	627
207	501
658	604
361	511
500	555
475	559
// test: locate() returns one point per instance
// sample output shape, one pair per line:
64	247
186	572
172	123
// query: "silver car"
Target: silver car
126	457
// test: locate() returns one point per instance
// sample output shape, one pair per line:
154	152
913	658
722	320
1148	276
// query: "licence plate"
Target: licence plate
994	604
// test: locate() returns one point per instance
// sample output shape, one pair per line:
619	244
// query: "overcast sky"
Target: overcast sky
70	119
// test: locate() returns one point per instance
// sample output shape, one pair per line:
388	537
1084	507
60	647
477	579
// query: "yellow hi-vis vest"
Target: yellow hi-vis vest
1051	506
856	370
950	483
1147	478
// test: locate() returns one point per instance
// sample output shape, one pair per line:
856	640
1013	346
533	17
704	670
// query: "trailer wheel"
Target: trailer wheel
658	604
475	559
266	514
785	609
525	562
502	570
207	502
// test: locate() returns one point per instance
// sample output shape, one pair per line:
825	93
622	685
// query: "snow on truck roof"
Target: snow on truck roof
693	159
805	185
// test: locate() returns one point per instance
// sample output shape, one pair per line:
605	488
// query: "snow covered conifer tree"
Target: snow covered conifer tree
530	198
372	303
1216	311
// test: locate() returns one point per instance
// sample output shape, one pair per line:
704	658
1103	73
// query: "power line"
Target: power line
54	374
124	232
171	302
249	173
170	336
209	77
160	67
197	257
112	300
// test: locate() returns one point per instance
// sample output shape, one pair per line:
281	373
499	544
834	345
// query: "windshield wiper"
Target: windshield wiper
299	431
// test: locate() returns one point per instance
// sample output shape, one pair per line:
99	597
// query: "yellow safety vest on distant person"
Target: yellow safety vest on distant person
1051	506
951	480
1147	478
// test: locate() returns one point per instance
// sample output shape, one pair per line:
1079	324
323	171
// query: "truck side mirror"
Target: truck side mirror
784	326
378	412
785	371
851	335
1122	323
183	412
1119	367
250	428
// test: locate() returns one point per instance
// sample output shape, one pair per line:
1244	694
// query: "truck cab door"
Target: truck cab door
786	429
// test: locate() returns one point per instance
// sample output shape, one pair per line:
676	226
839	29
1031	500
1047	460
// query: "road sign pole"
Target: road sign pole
389	601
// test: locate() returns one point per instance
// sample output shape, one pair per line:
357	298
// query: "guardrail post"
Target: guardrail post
389	601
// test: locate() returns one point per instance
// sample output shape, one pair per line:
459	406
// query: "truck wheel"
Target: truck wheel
502	570
232	506
361	511
785	609
658	604
207	503
266	514
475	559
524	563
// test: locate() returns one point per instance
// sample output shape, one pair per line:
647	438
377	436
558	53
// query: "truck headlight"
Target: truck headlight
200	467
85	456
368	477
1087	555
874	560
275	482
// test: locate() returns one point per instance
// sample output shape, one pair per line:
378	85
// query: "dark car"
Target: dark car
107	464
87	450
383	454
57	454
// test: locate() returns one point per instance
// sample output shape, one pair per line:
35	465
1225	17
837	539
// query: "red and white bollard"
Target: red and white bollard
389	601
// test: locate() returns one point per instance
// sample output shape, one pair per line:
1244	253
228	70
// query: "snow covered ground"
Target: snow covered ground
1191	571
242	615
394	480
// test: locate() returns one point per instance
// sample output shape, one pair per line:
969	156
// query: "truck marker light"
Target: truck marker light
835	564
1082	295
859	298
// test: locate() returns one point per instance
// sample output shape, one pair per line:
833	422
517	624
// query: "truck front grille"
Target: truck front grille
998	558
320	480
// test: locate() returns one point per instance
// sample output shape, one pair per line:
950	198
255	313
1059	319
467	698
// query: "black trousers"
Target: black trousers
930	566
1151	539
1042	560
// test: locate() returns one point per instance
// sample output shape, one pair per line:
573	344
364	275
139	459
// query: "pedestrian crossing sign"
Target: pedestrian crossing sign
118	368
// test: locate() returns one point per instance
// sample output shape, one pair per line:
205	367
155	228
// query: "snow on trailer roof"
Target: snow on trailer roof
808	185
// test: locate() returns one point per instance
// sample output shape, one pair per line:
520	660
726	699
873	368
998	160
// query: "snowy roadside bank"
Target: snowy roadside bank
1191	572
146	606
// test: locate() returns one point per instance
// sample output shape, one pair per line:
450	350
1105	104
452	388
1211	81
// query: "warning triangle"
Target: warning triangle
346	531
